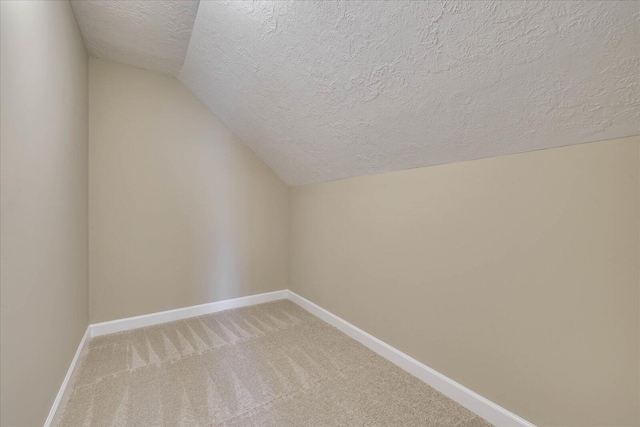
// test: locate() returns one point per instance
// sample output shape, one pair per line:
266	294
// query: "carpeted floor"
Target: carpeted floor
267	365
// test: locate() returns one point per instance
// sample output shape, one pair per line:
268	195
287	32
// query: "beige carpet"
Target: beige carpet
267	365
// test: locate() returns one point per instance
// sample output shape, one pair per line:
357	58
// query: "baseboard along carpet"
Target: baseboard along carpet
270	364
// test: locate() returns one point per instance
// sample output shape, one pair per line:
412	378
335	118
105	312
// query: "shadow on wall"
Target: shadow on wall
181	212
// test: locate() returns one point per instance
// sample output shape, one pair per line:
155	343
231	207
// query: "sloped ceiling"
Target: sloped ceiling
152	34
328	90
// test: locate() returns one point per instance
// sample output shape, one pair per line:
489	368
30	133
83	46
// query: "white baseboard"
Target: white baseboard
126	324
492	412
63	392
151	319
477	404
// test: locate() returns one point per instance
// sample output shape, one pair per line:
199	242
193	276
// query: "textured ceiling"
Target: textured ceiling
146	34
327	90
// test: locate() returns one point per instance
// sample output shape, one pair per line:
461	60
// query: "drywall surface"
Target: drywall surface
327	90
149	34
43	209
516	276
180	212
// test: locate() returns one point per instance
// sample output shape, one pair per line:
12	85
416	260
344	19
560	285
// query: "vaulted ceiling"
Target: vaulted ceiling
328	90
147	34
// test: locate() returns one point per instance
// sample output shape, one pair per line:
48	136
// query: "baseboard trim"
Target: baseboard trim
63	392
483	407
151	319
490	411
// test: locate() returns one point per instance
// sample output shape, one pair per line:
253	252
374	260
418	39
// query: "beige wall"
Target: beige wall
180	211
516	276
43	223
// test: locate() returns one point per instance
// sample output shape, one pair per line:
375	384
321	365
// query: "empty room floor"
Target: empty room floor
271	364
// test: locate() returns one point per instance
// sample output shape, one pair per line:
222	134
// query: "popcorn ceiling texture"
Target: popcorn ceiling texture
148	34
327	90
